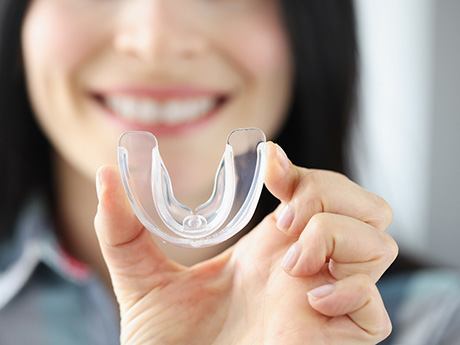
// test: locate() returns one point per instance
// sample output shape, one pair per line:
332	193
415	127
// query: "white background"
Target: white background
406	146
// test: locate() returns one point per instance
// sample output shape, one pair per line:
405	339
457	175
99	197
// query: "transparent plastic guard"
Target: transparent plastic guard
237	187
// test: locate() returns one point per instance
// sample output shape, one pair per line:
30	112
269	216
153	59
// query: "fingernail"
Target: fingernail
321	291
282	158
285	218
291	257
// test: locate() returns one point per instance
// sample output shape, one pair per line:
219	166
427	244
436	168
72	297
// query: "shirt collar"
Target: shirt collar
34	242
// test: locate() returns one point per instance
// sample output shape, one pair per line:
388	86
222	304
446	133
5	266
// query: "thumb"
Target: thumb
135	263
282	176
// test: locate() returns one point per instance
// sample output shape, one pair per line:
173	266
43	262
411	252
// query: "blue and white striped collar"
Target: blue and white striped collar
34	242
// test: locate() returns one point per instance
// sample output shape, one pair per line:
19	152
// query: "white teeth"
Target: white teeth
146	111
168	112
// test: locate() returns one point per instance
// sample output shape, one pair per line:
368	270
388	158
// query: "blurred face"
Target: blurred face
188	71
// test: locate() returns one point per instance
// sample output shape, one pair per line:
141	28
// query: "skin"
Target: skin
71	47
243	294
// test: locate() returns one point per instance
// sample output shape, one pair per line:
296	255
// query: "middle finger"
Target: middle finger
348	245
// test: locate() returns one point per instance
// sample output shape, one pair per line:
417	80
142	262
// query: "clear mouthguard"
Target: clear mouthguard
237	187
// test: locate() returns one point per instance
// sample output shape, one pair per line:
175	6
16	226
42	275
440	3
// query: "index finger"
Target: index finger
306	192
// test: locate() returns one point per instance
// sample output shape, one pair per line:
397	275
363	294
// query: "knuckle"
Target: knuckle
318	224
385	211
382	325
339	176
364	284
312	207
325	177
310	186
384	328
309	195
314	185
388	328
391	248
315	242
313	176
336	178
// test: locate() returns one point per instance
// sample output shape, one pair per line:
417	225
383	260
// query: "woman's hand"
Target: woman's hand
327	238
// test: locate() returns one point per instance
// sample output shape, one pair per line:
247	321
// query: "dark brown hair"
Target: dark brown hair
323	41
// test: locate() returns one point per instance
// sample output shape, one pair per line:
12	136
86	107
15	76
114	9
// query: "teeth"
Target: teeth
146	111
168	112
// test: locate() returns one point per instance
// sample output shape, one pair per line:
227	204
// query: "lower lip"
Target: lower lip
161	129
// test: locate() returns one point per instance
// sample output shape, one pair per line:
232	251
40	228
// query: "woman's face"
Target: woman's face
189	71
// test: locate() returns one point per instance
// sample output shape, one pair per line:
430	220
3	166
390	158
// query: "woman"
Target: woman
76	73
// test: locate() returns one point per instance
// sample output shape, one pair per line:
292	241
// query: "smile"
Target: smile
159	110
151	111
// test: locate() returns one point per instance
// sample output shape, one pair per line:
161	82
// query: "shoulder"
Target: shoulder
424	306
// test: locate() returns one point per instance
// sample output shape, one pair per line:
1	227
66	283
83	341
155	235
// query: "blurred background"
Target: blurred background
406	145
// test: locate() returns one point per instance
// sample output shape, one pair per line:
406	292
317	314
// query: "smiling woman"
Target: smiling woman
318	89
76	74
90	78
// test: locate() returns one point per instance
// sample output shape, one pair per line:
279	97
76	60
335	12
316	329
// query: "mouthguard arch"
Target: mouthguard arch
237	187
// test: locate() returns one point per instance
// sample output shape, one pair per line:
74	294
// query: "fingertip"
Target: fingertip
342	297
361	307
277	160
285	218
291	257
104	172
280	175
109	188
324	300
107	175
100	179
321	292
282	158
312	259
114	211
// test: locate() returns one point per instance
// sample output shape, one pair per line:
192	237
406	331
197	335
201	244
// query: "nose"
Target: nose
157	29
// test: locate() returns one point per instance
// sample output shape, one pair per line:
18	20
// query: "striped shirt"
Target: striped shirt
47	297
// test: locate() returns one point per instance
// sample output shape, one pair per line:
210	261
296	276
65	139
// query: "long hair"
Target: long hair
324	48
325	52
24	151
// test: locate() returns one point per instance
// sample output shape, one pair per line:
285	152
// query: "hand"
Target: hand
244	295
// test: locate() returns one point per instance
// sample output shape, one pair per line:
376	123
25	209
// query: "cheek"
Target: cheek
260	46
56	36
260	51
58	40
